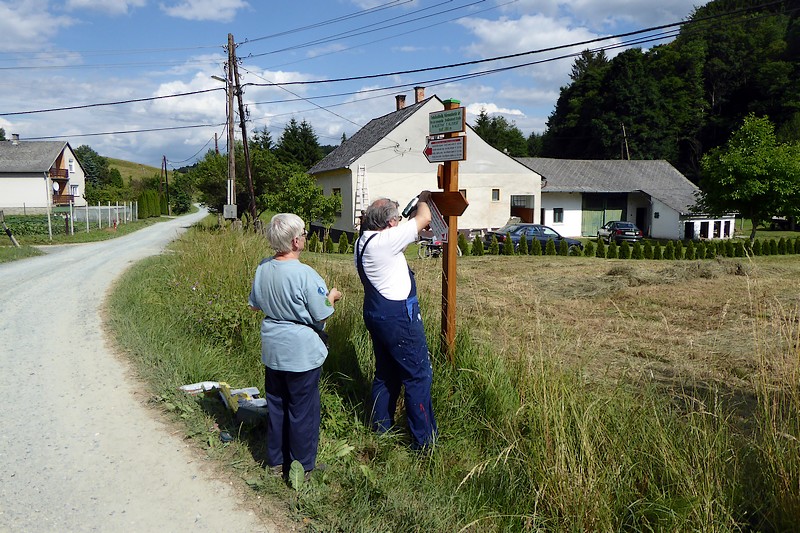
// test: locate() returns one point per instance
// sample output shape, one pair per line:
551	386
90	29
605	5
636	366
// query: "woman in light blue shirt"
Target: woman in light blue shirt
295	302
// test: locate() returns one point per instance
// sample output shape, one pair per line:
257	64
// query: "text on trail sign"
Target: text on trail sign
448	149
447	121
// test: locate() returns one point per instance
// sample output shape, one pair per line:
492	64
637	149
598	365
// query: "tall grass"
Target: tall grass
525	444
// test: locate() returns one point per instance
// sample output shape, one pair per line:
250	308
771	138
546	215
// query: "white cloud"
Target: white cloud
29	25
492	109
213	10
111	7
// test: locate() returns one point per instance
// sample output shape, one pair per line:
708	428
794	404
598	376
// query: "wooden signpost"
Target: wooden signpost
449	147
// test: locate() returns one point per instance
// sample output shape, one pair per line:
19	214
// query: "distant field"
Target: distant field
130	170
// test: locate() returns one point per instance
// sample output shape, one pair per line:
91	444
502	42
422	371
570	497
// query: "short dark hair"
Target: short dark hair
379	214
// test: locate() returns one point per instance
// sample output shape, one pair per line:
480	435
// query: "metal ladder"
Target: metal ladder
362	196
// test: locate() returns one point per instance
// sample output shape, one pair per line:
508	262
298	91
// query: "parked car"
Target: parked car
620	231
529	232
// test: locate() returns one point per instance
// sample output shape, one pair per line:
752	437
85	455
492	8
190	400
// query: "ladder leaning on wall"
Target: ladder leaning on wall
362	196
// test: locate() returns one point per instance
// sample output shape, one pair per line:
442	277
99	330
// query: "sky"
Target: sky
140	74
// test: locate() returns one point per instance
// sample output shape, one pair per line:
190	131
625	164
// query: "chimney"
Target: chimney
401	101
15	139
419	94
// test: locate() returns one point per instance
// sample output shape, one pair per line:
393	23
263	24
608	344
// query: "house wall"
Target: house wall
77	176
666	222
396	168
572	204
23	192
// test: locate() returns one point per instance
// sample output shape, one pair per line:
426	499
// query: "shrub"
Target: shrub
508	245
756	247
344	244
789	246
522	249
689	253
637	252
536	247
611	253
648	250
700	250
312	244
477	247
730	248
563	248
711	250
463	245
657	253
329	244
782	246
797	245
773	247
494	248
678	249
765	247
588	250
575	250
669	250
625	250
550	247
601	249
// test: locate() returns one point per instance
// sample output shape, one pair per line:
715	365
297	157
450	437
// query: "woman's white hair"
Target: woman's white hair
282	230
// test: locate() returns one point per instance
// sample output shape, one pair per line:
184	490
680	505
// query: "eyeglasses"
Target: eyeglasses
302	234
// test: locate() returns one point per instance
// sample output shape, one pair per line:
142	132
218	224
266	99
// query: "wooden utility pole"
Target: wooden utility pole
242	122
166	183
231	211
449	185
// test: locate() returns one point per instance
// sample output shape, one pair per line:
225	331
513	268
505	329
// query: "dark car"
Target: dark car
529	232
620	231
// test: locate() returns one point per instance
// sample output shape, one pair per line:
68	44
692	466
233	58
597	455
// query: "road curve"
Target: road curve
78	450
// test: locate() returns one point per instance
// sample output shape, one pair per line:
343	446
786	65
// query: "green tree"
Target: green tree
501	134
477	247
588	250
299	145
94	165
613	250
344	244
463	245
752	174
625	250
601	249
523	246
669	250
563	248
536	247
648	250
637	252
508	245
550	247
494	247
700	250
690	251
300	194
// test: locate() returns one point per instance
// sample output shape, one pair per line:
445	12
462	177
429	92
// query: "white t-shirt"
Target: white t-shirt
384	263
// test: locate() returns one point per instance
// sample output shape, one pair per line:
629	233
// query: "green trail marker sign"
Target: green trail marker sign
447	121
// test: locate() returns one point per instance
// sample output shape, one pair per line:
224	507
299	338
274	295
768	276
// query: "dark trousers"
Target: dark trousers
294	417
401	359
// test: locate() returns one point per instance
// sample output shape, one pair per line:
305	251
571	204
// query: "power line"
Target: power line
118	102
122	132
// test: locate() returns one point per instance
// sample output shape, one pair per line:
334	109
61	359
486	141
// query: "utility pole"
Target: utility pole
166	182
230	210
625	139
242	120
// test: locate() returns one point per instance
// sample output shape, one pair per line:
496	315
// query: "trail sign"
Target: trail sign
447	149
447	121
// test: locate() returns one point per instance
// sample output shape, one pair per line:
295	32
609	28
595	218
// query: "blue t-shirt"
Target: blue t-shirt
289	292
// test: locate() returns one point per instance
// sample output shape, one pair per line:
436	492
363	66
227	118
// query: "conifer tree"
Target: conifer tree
329	244
756	247
508	245
494	247
657	252
669	251
612	252
700	251
637	252
648	250
601	249
689	253
730	249
522	249
563	248
477	247
344	244
739	249
550	247
463	245
536	247
678	249
624	250
773	247
312	245
781	246
588	250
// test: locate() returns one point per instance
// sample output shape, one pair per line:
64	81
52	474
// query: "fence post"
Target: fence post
109	213
71	219
99	216
87	217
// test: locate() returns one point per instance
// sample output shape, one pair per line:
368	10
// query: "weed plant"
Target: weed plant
526	443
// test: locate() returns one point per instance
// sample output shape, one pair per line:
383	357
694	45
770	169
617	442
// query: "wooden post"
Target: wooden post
450	184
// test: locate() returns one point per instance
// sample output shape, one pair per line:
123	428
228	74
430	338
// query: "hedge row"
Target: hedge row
640	250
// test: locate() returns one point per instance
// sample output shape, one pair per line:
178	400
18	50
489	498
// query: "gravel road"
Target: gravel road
79	451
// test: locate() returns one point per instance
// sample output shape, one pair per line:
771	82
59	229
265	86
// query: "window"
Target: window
337	191
558	215
71	166
495	195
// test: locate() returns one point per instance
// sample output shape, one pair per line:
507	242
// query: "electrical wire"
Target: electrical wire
122	132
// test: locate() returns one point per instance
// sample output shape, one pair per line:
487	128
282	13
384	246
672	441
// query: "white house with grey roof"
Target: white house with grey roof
385	159
579	196
38	175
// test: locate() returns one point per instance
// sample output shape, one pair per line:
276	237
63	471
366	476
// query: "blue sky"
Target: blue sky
87	52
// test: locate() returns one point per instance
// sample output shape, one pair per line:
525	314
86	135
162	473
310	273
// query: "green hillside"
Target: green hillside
129	169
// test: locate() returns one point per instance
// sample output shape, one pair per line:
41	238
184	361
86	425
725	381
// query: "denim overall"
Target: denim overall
401	358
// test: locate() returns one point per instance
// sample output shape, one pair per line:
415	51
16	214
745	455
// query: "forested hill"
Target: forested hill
676	101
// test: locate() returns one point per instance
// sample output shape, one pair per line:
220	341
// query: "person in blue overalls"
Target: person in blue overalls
393	319
295	302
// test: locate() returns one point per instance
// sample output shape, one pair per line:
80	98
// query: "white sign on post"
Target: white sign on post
438	225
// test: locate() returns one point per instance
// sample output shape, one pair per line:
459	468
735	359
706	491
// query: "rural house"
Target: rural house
385	159
579	196
36	176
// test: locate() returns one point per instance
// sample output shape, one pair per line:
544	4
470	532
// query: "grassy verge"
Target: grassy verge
587	394
12	253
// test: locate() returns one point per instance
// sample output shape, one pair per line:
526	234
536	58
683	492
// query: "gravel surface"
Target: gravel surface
79	451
